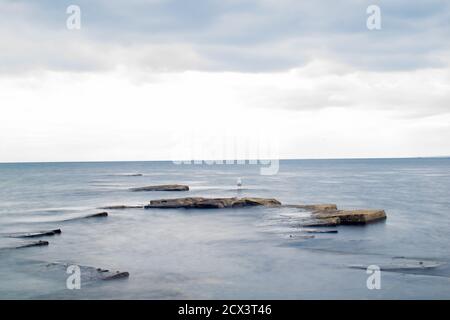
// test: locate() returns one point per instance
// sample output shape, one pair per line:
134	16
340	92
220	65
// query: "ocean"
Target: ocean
241	253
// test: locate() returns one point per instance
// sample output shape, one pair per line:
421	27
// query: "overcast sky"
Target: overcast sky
165	79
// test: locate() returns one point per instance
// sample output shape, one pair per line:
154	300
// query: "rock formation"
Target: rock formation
211	203
121	207
349	217
164	187
33	234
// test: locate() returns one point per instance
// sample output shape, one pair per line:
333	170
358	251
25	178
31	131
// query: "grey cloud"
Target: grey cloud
246	35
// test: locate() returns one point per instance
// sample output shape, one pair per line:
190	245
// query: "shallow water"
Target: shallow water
226	253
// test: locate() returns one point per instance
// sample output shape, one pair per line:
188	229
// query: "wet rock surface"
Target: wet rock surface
90	216
350	217
211	203
163	187
39	243
313	207
32	234
122	207
323	222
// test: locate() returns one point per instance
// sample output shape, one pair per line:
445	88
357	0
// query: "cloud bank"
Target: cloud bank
139	74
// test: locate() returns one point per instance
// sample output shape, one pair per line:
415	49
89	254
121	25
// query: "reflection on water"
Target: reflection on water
226	253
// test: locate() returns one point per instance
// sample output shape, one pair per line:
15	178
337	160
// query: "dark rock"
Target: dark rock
211	203
95	215
120	207
296	236
117	275
164	187
319	231
33	244
35	234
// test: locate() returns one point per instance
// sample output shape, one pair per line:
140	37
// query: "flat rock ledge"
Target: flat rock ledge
163	187
211	203
313	207
350	217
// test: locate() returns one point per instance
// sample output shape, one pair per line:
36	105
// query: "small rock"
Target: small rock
164	187
34	234
120	207
33	244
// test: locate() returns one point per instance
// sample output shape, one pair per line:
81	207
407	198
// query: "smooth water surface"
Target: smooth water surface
225	253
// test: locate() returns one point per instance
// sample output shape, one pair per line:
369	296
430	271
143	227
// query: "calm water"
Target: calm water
228	253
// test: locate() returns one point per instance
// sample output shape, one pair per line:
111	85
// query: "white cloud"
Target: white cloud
109	116
138	76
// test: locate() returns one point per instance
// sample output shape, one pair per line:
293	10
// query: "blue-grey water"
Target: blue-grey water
240	253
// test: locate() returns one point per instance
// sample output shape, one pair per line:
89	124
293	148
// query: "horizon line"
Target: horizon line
203	160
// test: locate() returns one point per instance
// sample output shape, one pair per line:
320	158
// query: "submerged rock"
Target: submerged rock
119	207
91	273
34	234
39	243
117	275
410	266
211	203
297	236
95	215
164	187
349	217
313	207
323	222
319	231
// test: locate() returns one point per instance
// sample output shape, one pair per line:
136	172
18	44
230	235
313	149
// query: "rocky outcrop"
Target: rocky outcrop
211	203
350	217
164	187
328	214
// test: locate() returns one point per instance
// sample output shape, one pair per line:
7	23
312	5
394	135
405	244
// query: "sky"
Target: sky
229	79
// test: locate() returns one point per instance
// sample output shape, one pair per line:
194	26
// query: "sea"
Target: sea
237	253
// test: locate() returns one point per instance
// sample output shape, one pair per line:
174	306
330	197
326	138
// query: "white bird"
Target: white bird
239	182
